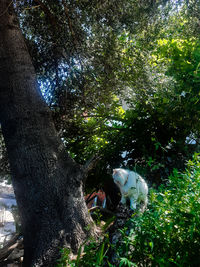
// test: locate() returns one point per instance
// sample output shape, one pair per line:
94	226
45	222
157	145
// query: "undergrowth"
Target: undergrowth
167	234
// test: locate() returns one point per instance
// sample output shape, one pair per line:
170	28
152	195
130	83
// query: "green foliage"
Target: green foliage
74	47
89	55
168	233
94	55
64	260
94	254
126	262
157	74
94	130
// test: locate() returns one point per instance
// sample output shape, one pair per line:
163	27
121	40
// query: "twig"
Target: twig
4	12
27	8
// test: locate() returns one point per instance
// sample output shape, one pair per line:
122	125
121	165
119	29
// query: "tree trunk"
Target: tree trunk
46	181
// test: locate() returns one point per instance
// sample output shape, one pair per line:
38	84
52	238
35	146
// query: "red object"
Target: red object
96	199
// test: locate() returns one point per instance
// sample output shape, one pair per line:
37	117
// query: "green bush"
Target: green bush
93	254
167	234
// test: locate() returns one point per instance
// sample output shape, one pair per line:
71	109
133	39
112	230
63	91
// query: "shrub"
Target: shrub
167	234
94	254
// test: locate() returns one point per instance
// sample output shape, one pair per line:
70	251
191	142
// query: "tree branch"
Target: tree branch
6	9
91	163
15	242
49	14
69	22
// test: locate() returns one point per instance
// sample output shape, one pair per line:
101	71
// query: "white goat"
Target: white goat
132	186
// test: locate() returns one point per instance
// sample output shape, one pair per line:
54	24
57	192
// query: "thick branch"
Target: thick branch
91	163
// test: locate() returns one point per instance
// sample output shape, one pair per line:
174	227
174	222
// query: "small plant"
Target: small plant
97	216
94	254
65	259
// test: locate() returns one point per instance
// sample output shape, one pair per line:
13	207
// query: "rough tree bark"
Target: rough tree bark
47	182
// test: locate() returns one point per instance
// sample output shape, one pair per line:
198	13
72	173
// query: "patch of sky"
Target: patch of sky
125	155
45	89
113	123
191	139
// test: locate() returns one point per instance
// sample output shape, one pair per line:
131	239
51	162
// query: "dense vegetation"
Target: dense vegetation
120	84
122	79
167	234
152	121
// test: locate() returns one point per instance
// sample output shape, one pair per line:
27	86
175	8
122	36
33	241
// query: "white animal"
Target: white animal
132	186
